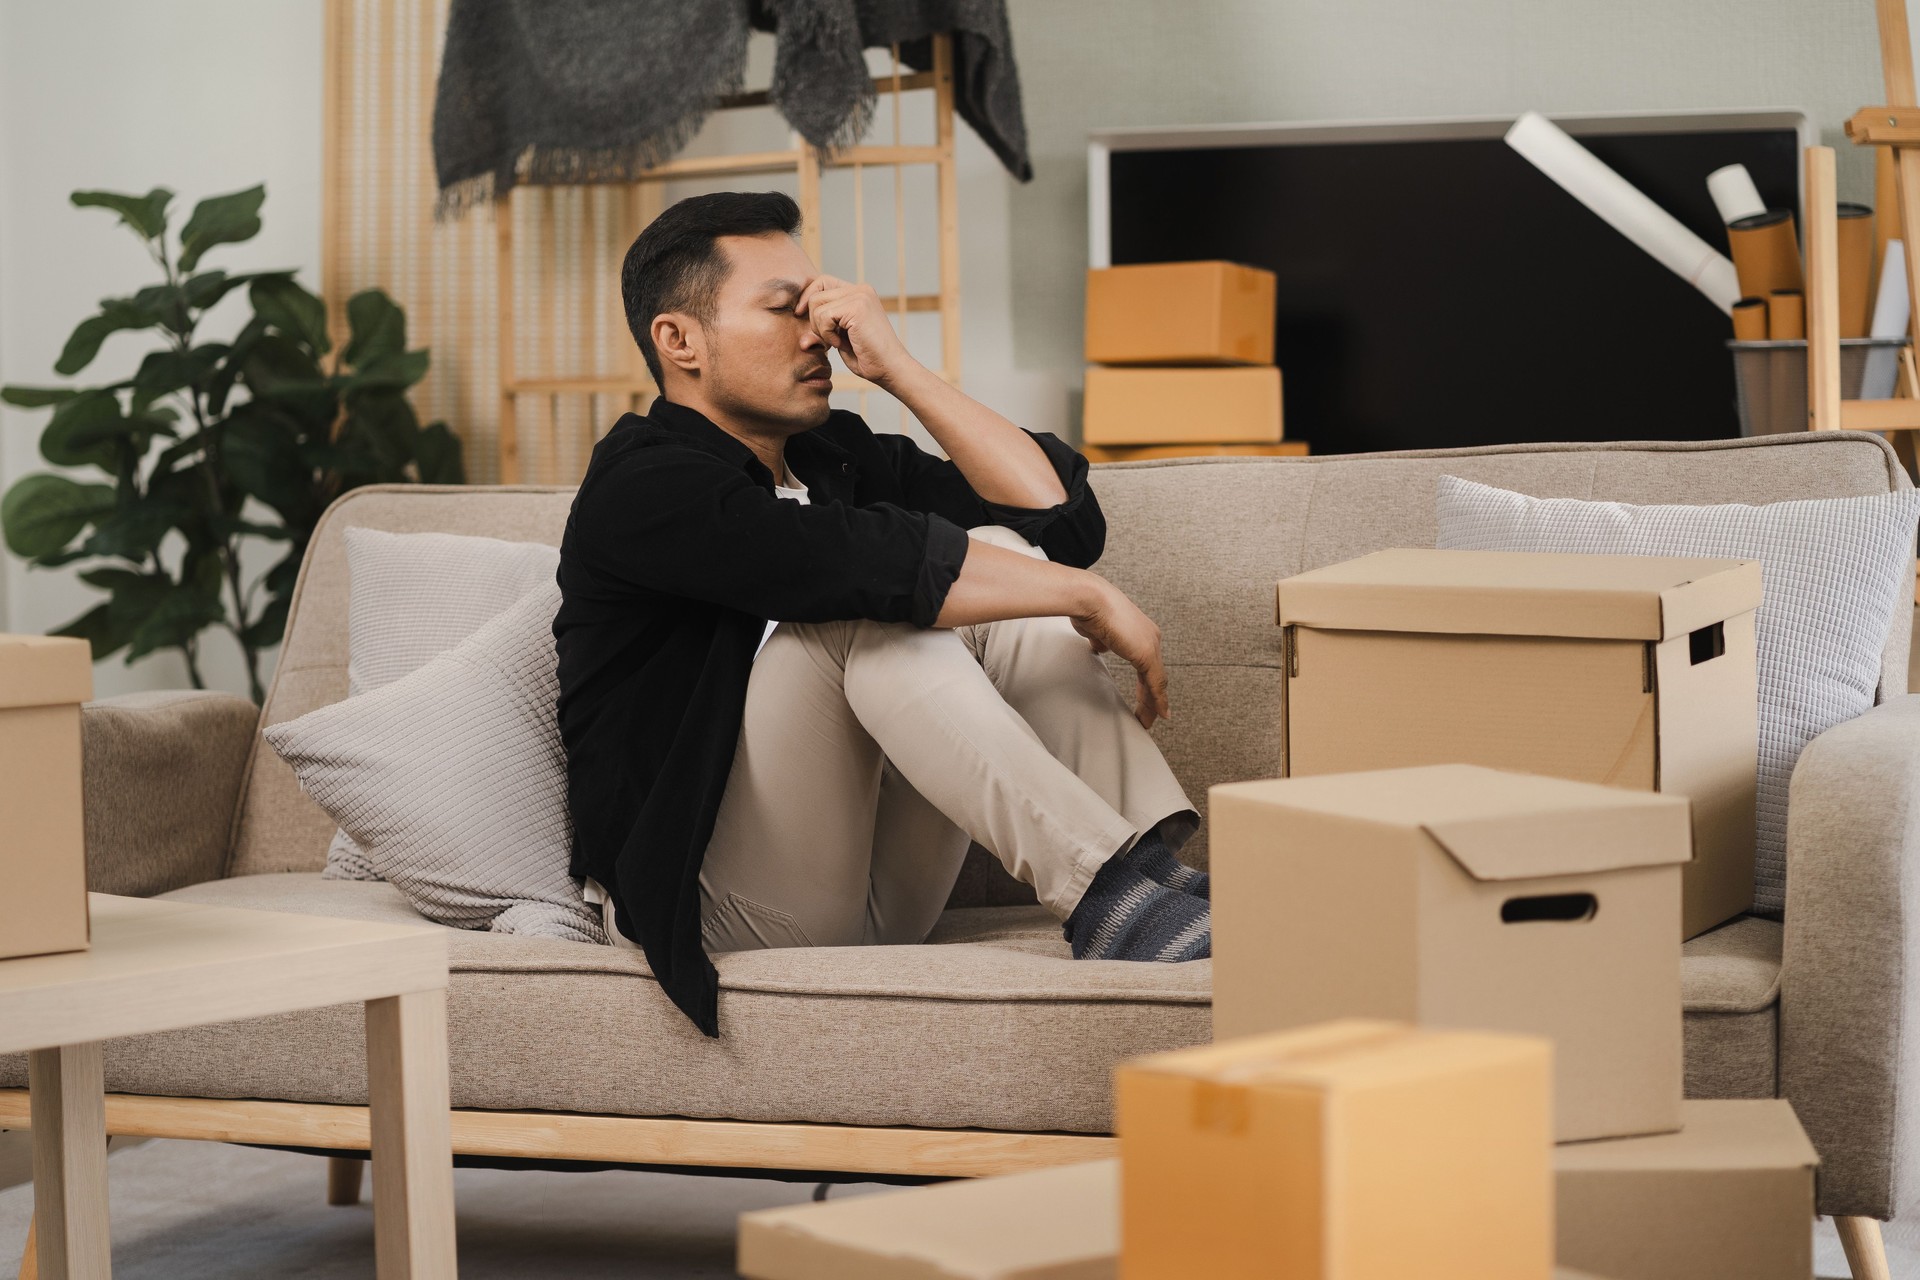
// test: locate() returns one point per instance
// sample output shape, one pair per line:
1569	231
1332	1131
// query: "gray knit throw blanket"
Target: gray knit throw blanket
601	90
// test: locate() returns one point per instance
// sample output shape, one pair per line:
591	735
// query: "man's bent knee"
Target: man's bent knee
1001	536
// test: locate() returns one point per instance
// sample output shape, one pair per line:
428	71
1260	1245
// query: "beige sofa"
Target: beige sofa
988	1048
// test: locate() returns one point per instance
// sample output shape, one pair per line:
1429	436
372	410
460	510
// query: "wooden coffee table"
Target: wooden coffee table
161	966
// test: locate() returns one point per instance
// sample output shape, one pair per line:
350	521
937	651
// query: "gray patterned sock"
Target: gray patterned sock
1151	857
1125	916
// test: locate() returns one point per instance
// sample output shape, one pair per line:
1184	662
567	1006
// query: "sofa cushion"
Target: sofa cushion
410	598
453	780
989	1024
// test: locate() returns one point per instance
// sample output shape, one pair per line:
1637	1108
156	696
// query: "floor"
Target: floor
215	1212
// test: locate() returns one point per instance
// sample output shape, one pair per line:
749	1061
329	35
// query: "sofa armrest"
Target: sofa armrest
1849	1049
162	777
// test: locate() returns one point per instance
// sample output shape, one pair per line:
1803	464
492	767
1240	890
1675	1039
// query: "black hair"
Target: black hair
675	264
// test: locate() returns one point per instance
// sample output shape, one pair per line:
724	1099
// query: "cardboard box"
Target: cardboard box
1051	1224
1459	896
1729	1197
1175	406
1180	313
1354	1150
43	681
1634	671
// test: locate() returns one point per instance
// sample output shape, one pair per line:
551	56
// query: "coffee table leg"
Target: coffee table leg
69	1116
412	1139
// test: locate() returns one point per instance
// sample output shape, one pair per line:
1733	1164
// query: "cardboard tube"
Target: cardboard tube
1750	319
1855	228
1765	254
1625	208
1786	314
1734	194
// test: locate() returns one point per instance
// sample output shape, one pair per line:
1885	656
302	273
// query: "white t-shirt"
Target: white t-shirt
597	895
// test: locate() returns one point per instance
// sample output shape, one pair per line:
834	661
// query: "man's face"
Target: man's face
763	362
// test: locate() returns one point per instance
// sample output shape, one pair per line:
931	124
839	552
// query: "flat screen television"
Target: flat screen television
1435	289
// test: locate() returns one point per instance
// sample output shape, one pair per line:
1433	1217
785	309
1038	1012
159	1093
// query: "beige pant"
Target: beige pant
872	752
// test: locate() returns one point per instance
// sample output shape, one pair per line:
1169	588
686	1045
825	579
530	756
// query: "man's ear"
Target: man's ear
679	341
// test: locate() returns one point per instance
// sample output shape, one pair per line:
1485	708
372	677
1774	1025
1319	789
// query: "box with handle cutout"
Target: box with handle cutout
1632	671
1461	896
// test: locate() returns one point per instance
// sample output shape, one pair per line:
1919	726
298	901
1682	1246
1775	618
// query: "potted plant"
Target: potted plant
220	443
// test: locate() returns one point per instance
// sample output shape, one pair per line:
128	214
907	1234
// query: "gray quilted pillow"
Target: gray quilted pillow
410	598
453	780
1834	570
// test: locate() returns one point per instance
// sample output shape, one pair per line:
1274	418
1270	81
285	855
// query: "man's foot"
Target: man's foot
1125	916
1151	857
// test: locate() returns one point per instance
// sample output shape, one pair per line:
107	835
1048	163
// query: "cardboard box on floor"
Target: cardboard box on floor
1353	1150
1460	896
43	905
1061	1223
1729	1197
1180	313
1633	671
1173	406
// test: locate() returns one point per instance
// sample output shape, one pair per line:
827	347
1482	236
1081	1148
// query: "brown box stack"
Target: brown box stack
43	681
1181	353
1633	671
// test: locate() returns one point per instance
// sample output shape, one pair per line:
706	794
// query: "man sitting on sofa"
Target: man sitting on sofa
802	665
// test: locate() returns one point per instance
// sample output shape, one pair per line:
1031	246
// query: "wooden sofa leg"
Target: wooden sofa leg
30	1256
1866	1251
343	1180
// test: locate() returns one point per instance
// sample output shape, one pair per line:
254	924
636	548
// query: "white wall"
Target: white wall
208	96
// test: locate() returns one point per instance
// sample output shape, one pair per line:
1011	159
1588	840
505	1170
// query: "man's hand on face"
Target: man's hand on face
851	319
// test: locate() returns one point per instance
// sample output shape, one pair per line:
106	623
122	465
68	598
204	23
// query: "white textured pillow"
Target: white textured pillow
1834	570
410	598
453	780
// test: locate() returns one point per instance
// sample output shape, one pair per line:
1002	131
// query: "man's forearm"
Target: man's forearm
999	460
998	582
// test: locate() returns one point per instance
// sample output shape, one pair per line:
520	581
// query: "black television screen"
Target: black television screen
1443	292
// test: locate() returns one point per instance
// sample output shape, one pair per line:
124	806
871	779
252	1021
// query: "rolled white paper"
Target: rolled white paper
1734	194
1892	309
1625	208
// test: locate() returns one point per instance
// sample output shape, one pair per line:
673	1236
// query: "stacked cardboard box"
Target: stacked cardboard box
43	681
1181	361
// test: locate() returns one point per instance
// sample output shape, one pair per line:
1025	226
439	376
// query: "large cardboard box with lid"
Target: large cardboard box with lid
1460	896
43	874
1633	671
1728	1197
1354	1150
1180	313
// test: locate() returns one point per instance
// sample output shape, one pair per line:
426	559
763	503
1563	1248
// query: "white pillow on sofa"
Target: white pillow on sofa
1833	570
410	598
453	780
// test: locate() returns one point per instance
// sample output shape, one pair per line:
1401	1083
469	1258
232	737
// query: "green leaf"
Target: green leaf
293	311
227	219
165	372
395	372
166	303
146	214
43	512
438	456
73	436
37	397
134	530
263	458
270	627
379	328
96	626
220	386
115	315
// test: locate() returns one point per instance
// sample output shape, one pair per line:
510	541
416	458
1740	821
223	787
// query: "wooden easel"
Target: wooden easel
1895	127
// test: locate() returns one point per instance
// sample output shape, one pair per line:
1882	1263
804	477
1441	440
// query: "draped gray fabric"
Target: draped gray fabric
601	90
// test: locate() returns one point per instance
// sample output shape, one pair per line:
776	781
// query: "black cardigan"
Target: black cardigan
676	554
